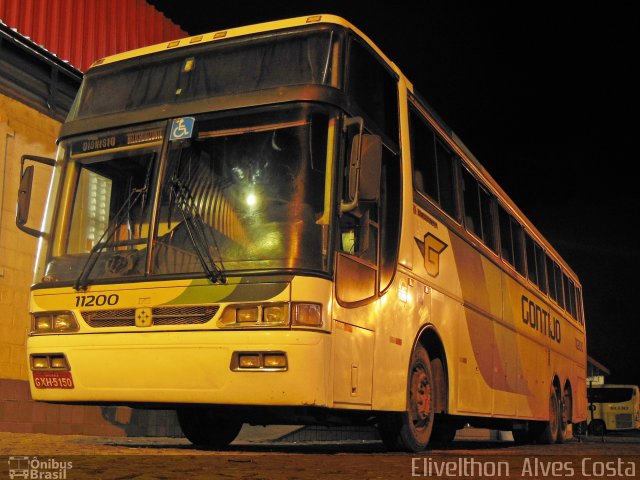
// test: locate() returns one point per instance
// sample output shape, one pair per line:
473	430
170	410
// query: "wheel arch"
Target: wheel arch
429	338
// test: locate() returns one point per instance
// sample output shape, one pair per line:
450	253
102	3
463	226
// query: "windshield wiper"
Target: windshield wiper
135	193
82	280
196	231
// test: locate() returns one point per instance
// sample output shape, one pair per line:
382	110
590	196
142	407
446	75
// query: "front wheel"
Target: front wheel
208	427
597	428
411	430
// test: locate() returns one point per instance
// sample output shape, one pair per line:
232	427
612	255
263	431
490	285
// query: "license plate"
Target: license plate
52	379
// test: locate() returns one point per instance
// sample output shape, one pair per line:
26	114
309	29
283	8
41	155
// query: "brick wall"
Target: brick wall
22	130
25	130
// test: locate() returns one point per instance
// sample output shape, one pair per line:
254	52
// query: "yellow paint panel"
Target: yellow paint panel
352	364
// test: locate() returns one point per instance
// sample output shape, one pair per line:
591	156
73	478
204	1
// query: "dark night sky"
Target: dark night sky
543	97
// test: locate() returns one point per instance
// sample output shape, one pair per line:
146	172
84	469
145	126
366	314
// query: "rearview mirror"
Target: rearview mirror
24	192
363	173
24	196
371	159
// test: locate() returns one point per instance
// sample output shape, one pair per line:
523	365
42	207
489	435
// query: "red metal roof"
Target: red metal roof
83	31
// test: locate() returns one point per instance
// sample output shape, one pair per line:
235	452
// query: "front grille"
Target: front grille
192	315
624	420
110	318
183	315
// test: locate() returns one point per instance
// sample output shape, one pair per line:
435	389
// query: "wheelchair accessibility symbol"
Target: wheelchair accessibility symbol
181	128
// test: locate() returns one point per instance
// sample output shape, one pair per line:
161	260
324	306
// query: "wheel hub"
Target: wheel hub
420	397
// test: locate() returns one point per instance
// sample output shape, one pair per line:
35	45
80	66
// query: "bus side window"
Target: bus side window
552	279
569	295
557	273
580	306
471	203
479	216
488	219
446	162
517	232
572	293
506	240
532	272
374	88
359	233
390	216
541	268
423	154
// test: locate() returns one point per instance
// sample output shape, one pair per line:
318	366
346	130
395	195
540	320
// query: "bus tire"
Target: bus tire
597	427
523	437
565	416
443	433
549	430
208	427
411	430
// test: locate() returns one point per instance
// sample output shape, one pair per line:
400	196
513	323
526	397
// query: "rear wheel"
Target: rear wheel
443	432
565	415
411	430
523	436
208	427
549	430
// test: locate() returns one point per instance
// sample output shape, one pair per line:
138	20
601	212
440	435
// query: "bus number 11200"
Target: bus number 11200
97	300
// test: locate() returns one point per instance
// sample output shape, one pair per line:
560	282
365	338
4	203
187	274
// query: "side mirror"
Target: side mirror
24	196
365	159
370	166
24	192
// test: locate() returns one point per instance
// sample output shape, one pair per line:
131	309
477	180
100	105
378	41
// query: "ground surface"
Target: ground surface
79	457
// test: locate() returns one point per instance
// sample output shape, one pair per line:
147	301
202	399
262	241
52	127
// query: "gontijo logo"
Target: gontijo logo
34	468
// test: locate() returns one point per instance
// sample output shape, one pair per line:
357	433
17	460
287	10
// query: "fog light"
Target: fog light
275	360
308	315
249	361
39	363
247	315
59	362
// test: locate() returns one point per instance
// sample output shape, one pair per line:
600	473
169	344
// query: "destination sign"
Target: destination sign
109	142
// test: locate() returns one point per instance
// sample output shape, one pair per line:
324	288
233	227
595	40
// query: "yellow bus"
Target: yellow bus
613	407
268	224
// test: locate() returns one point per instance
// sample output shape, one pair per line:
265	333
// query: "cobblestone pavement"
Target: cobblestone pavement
79	457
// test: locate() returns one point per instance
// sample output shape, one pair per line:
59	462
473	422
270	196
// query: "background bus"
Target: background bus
269	225
613	407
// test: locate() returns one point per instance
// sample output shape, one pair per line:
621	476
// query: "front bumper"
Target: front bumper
181	367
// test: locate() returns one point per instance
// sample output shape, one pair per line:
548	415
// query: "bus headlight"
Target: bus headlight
272	315
276	314
261	315
248	315
54	322
63	321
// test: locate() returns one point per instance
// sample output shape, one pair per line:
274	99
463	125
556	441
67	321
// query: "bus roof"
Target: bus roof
241	31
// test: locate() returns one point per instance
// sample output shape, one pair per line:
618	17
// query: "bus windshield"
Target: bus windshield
244	193
257	182
610	395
